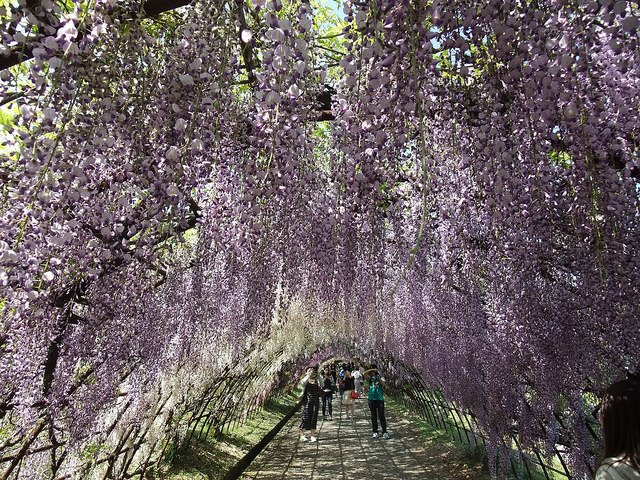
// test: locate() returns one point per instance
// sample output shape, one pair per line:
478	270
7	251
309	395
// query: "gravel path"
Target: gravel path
345	450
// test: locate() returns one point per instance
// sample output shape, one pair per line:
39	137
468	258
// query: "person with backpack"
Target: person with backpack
328	386
376	401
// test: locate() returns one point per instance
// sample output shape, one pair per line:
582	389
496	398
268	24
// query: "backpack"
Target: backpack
375	388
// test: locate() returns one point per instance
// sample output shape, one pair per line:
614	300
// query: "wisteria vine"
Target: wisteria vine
172	207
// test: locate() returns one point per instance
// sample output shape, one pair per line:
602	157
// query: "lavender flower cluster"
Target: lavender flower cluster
168	194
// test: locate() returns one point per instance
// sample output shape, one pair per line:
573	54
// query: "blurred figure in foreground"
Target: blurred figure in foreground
620	419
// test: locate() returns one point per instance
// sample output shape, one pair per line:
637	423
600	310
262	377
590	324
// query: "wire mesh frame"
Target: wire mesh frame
218	405
445	415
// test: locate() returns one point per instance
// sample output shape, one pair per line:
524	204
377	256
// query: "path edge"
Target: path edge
237	470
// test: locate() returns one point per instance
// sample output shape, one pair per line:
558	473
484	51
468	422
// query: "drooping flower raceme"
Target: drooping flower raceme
172	210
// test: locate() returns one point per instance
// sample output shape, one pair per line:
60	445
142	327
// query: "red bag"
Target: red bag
354	395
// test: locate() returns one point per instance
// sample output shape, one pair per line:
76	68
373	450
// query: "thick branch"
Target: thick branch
247	49
75	293
151	9
156	7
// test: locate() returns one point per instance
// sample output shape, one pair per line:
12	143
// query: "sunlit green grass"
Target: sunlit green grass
210	458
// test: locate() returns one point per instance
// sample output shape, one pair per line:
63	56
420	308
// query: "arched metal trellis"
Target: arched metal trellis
462	425
122	449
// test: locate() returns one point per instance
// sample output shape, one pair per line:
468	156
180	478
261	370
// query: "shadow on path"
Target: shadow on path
346	450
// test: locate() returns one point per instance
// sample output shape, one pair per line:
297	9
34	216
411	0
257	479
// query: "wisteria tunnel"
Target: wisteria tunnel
201	200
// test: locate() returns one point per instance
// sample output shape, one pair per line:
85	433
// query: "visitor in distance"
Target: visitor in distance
328	387
310	406
348	399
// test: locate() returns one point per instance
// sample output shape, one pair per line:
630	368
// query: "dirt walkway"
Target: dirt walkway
345	450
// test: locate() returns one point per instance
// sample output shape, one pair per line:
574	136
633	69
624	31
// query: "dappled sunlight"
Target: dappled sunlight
201	199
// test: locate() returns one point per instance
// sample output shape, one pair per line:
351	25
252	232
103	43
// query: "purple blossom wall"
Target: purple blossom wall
173	214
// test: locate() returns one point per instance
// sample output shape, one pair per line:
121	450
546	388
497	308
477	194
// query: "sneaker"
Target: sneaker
304	438
375	435
313	439
330	417
385	435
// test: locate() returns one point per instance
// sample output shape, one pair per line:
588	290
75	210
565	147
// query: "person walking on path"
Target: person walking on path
620	419
310	407
328	387
341	384
376	400
357	380
348	400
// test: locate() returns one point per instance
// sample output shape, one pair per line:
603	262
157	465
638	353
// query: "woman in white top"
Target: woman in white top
357	380
620	419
